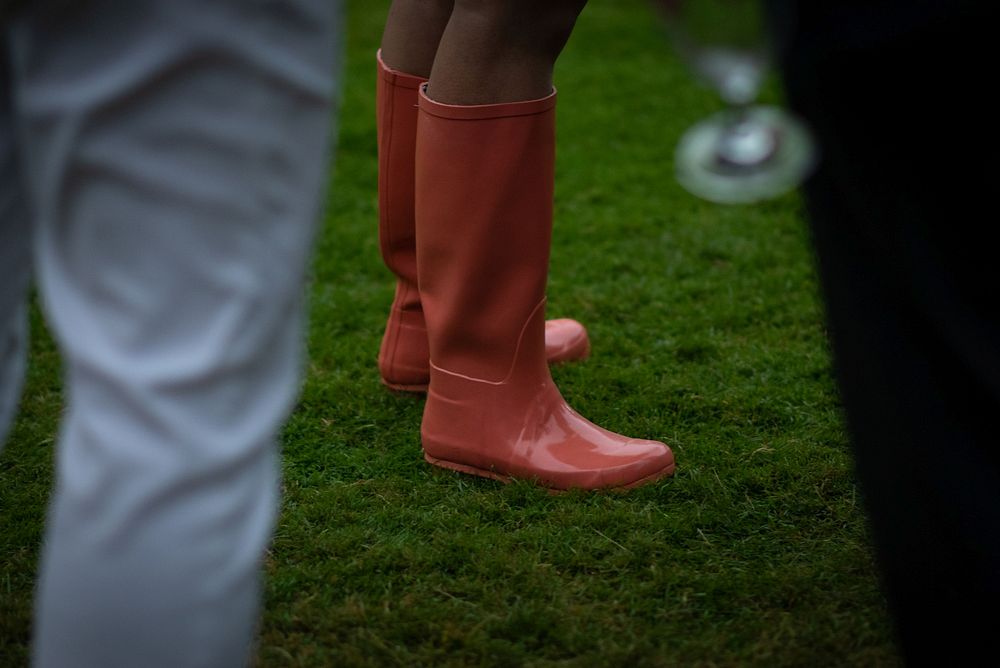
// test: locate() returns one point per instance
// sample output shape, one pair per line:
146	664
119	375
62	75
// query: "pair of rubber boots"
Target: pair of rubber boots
465	213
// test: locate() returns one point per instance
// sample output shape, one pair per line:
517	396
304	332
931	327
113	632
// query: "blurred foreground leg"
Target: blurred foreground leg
893	90
15	254
176	154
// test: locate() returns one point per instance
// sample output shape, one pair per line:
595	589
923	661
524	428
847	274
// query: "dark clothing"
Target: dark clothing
904	231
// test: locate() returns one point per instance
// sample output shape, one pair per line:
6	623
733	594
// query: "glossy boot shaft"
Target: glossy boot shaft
403	353
484	219
402	358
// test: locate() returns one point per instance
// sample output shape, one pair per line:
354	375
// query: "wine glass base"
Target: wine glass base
763	154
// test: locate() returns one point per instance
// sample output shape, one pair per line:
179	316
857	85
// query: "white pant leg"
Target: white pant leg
15	255
176	153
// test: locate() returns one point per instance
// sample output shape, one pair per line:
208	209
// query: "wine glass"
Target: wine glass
747	152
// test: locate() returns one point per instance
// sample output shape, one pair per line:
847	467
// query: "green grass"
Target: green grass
707	333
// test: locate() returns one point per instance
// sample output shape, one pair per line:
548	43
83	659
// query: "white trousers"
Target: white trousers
162	164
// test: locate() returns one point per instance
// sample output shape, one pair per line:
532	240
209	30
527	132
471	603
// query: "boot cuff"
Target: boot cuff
475	112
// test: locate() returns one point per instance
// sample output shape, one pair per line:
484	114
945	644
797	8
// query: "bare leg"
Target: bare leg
412	32
501	50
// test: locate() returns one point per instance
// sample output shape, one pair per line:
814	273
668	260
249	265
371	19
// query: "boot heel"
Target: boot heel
452	426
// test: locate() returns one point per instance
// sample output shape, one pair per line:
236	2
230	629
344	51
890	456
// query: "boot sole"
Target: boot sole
665	472
409	389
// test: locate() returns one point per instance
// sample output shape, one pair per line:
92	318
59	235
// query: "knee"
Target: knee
439	7
526	25
431	8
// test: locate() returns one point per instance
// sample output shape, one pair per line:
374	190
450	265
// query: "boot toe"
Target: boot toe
637	462
566	340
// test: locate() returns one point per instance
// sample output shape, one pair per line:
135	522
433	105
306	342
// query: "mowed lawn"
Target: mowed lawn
707	333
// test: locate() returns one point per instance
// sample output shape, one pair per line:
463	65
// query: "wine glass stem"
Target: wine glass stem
744	141
737	115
